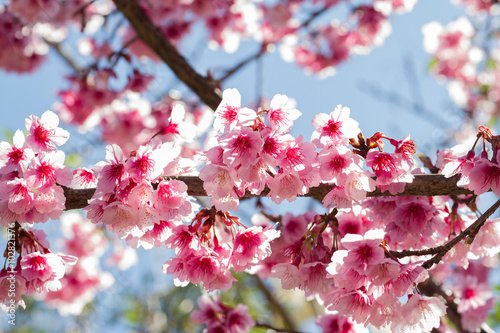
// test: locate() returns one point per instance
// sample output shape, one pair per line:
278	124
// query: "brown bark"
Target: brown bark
155	39
423	185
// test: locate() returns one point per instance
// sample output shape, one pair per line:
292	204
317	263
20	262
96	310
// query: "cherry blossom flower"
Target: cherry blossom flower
48	168
229	113
221	318
15	156
178	127
337	162
9	281
298	155
334	323
18	194
412	217
83	178
422	313
251	245
363	251
44	133
282	113
285	186
79	287
334	129
388	168
241	146
485	175
44	271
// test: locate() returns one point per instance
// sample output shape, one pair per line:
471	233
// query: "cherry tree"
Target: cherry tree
394	240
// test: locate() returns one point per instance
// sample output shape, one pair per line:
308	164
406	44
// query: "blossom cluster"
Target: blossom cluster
37	269
83	280
479	173
222	318
32	172
249	154
91	100
346	258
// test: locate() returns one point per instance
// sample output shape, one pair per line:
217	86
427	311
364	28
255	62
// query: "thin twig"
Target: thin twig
274	302
59	49
474	226
286	330
243	63
155	39
314	15
440	251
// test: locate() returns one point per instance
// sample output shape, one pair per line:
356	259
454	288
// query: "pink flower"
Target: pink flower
222	318
155	237
47	169
485	175
289	275
241	146
209	310
255	176
412	217
274	145
150	160
336	163
178	127
357	184
16	155
170	199
229	114
122	220
50	201
221	182
356	304
282	113
293	227
386	310
250	246
83	178
422	313
334	129
19	195
204	268
184	241
363	251
314	277
12	286
298	155
387	167
238	320
471	293
487	241
111	172
44	271
285	185
339	324
44	133
337	198
177	268
410	275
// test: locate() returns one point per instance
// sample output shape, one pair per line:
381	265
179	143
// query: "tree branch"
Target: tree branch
443	249
423	185
474	226
155	39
